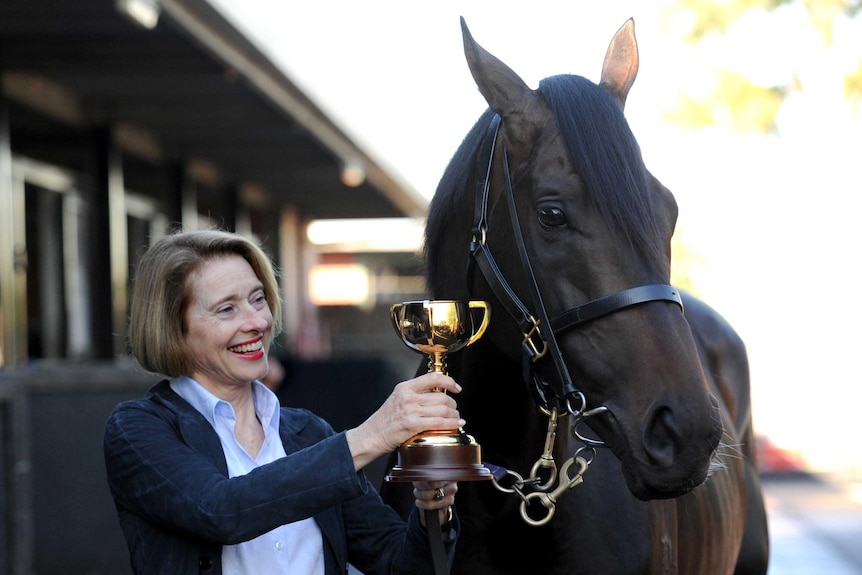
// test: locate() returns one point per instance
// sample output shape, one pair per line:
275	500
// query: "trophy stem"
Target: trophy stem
437	364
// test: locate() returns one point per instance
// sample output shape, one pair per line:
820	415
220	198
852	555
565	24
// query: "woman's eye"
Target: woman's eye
551	216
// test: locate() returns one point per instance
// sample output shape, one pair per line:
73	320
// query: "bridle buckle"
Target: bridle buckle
530	344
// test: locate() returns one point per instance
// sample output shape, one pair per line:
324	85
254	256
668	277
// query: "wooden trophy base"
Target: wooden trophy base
439	456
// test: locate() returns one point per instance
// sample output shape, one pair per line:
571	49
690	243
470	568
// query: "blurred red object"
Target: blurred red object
773	459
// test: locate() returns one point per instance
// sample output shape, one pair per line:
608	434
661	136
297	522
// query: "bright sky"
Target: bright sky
772	221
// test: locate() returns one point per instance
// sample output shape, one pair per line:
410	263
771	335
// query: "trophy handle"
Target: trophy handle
393	313
486	317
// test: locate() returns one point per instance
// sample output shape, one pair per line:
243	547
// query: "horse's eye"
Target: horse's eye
551	216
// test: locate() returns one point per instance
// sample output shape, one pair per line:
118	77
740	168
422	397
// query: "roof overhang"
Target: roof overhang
192	91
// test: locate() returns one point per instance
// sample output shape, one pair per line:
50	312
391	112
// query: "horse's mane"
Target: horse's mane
455	183
603	151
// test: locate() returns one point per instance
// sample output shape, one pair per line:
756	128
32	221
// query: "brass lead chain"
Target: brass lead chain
546	461
549	500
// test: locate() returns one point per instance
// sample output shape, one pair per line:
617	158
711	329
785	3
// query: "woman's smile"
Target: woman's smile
250	350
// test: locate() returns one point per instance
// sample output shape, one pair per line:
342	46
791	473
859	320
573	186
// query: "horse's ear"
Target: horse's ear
621	63
506	93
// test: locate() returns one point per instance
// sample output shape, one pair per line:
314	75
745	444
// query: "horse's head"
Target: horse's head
595	223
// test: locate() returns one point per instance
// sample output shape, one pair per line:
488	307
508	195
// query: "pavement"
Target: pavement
815	524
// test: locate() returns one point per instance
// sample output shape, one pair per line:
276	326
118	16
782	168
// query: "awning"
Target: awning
191	91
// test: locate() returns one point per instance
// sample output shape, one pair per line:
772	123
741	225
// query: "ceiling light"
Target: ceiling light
352	173
144	13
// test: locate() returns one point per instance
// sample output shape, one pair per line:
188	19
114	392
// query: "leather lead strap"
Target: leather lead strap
435	541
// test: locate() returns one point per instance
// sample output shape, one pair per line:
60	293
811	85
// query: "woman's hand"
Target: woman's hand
438	495
413	407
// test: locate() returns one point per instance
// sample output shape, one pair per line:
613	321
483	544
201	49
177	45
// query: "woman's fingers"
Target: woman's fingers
433	382
435	494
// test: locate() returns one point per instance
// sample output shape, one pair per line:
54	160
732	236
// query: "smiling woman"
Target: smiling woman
166	283
228	325
210	474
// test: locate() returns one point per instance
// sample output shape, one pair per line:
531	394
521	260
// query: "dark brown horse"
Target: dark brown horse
569	215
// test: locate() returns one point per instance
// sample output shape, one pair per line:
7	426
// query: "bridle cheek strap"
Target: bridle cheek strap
534	344
538	331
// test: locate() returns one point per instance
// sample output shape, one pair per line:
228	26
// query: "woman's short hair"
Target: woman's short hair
162	293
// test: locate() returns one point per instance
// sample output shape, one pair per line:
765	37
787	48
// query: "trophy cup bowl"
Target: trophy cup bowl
437	328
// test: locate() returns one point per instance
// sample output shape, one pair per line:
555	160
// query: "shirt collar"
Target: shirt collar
265	401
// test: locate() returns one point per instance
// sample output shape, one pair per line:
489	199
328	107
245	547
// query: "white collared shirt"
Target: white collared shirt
293	548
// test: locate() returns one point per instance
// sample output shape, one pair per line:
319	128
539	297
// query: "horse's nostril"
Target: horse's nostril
660	437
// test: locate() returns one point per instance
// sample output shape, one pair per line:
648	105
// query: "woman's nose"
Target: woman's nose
257	319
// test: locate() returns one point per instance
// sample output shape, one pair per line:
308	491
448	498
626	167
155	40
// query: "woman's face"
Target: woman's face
228	323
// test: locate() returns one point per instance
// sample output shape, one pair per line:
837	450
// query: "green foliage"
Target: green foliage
824	12
853	87
684	265
705	17
737	102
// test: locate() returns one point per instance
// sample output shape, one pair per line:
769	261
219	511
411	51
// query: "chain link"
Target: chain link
514	482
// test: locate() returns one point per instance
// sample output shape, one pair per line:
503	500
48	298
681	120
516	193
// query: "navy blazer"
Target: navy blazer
177	507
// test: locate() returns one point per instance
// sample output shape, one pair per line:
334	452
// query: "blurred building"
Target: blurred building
120	120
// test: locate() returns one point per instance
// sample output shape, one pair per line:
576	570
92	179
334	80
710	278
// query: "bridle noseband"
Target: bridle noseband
539	332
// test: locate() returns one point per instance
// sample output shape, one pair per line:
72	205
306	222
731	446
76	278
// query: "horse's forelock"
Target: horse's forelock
606	156
603	151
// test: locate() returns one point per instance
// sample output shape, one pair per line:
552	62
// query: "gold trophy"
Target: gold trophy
437	328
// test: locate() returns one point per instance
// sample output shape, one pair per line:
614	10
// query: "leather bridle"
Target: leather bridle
538	330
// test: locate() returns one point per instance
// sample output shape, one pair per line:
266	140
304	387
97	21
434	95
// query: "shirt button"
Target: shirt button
279	545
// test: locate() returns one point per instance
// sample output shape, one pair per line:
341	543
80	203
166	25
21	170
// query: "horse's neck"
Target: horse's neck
497	406
489	378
